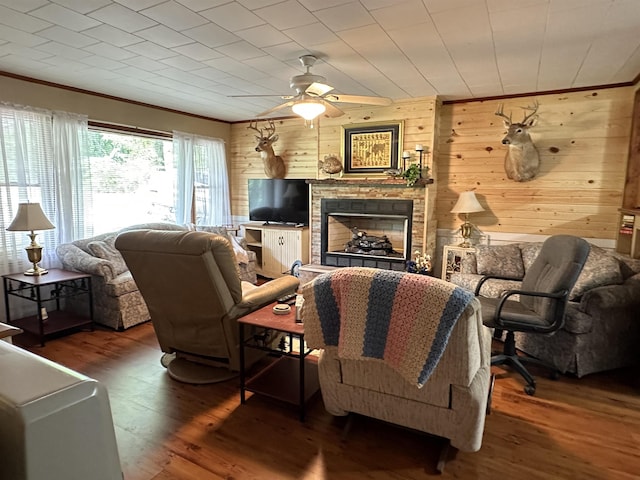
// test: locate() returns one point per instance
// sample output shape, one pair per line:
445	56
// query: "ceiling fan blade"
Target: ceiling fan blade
332	111
317	89
364	100
275	109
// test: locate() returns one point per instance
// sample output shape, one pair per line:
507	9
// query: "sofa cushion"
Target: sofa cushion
529	252
601	268
121	285
104	250
503	260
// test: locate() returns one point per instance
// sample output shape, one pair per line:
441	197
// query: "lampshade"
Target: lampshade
308	109
30	217
467	203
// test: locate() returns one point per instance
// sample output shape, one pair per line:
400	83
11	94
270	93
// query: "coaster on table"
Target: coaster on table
281	309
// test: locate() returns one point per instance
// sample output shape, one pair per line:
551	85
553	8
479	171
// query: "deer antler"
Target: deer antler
500	113
534	108
252	127
271	129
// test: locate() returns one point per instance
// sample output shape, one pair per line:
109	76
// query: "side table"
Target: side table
62	284
293	377
452	256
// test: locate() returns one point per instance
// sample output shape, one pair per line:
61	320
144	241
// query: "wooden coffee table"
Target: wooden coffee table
293	377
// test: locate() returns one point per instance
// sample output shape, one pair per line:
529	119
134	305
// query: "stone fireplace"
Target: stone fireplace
404	214
369	232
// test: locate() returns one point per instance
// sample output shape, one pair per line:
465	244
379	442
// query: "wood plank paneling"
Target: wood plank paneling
583	140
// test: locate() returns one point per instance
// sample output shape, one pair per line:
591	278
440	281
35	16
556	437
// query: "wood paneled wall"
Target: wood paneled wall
583	141
302	148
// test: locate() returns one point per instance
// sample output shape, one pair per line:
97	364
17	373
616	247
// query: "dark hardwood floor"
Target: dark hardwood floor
571	429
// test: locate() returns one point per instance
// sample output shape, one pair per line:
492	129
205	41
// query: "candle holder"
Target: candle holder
406	155
420	150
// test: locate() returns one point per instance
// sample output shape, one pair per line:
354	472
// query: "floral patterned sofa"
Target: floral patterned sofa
601	330
117	302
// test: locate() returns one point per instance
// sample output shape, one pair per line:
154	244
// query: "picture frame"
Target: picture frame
371	148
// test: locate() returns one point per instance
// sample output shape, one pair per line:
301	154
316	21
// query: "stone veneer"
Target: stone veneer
423	231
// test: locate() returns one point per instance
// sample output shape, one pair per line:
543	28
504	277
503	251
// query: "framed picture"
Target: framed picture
371	147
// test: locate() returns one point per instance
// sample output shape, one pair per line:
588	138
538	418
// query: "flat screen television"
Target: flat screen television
275	200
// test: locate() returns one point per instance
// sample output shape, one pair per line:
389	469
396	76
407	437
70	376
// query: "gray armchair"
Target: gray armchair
190	282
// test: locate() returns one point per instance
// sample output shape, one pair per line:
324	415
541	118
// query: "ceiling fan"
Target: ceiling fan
313	95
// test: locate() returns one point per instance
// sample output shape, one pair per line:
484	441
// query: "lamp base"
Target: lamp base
36	271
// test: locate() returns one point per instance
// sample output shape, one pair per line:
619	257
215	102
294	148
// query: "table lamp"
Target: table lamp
30	217
467	203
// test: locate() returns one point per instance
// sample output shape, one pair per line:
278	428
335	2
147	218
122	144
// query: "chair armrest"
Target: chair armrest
76	259
489	277
562	295
269	292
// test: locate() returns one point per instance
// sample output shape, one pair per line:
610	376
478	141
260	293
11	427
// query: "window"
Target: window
132	180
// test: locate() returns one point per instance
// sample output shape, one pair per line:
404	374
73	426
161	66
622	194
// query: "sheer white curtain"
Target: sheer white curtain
202	178
73	201
26	157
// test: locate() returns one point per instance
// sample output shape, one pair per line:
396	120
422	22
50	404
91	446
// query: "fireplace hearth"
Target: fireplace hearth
366	232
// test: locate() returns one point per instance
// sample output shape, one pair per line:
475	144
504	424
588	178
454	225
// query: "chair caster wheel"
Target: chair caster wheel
529	389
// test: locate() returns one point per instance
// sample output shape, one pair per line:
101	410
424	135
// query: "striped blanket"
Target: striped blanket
400	318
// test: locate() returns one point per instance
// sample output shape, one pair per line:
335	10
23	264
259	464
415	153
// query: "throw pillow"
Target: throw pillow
600	269
529	251
241	254
502	260
108	252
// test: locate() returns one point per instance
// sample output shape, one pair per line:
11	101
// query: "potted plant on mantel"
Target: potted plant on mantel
413	173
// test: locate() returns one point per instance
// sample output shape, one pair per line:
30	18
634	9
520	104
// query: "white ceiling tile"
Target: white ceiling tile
211	35
138	5
255	4
343	17
83	6
174	15
197	51
233	67
26	23
64	17
399	48
24	5
199	5
164	36
112	35
18	36
288	14
313	5
66	51
406	15
182	63
15	49
109	51
286	51
123	18
232	17
101	62
151	50
68	37
241	50
262	36
436	6
145	63
313	34
506	5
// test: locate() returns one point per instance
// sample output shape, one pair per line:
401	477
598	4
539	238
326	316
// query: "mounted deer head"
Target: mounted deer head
522	161
274	166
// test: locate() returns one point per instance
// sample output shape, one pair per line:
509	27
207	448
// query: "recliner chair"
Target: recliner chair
190	282
541	301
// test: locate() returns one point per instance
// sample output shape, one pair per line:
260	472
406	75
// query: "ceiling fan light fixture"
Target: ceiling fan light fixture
308	109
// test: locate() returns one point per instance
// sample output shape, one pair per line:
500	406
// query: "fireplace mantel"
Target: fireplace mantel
369	182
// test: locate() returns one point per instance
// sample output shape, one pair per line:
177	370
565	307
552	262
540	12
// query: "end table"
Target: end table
62	284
